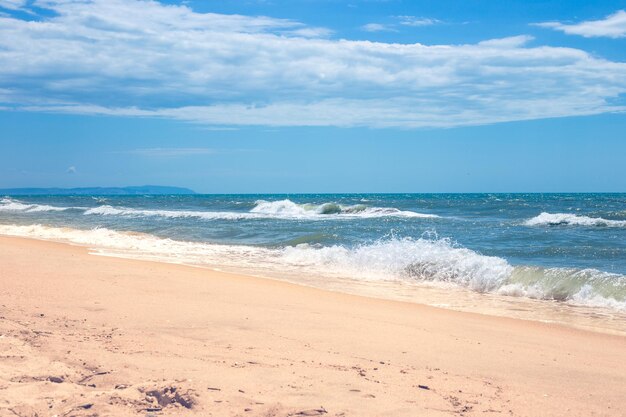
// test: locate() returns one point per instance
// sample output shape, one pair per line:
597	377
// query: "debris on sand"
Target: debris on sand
312	412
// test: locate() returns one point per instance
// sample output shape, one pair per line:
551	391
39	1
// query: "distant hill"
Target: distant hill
141	190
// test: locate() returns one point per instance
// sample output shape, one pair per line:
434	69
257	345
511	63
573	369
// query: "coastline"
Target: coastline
119	331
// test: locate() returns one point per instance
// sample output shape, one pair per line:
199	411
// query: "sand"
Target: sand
85	335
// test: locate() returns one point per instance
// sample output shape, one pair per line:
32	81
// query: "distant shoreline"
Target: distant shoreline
167	190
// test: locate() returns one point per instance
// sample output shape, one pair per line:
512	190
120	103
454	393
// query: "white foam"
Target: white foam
286	208
140	245
7	204
107	210
554	219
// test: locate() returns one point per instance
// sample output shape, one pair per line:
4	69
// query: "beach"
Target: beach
312	208
89	335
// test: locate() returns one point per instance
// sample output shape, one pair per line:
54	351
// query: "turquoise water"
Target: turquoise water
566	247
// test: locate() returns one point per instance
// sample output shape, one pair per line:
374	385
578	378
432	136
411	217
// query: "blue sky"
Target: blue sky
314	95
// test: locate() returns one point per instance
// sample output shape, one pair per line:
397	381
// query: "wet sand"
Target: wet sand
83	335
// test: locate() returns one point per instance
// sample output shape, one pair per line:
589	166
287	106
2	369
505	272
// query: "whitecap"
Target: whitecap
288	209
555	219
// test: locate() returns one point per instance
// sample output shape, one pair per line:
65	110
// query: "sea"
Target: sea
550	257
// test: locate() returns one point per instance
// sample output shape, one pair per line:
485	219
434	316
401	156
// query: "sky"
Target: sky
312	96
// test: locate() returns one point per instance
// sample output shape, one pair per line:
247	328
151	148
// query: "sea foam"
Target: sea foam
107	210
7	204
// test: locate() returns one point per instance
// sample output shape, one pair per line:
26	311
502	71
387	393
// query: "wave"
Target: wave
433	260
556	219
289	209
582	286
6	204
430	261
283	209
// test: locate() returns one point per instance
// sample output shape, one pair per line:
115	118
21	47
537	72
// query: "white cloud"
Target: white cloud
71	170
145	59
613	26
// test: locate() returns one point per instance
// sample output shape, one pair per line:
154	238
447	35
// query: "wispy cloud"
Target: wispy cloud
398	22
145	59
12	4
169	152
417	21
220	128
613	26
378	27
310	32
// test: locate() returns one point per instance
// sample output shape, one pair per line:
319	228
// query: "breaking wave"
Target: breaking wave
284	209
289	209
408	260
556	219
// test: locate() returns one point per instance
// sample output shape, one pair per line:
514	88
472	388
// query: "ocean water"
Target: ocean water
562	248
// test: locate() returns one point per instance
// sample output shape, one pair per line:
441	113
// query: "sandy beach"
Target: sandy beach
84	335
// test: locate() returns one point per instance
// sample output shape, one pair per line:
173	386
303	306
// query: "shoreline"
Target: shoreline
230	343
598	318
